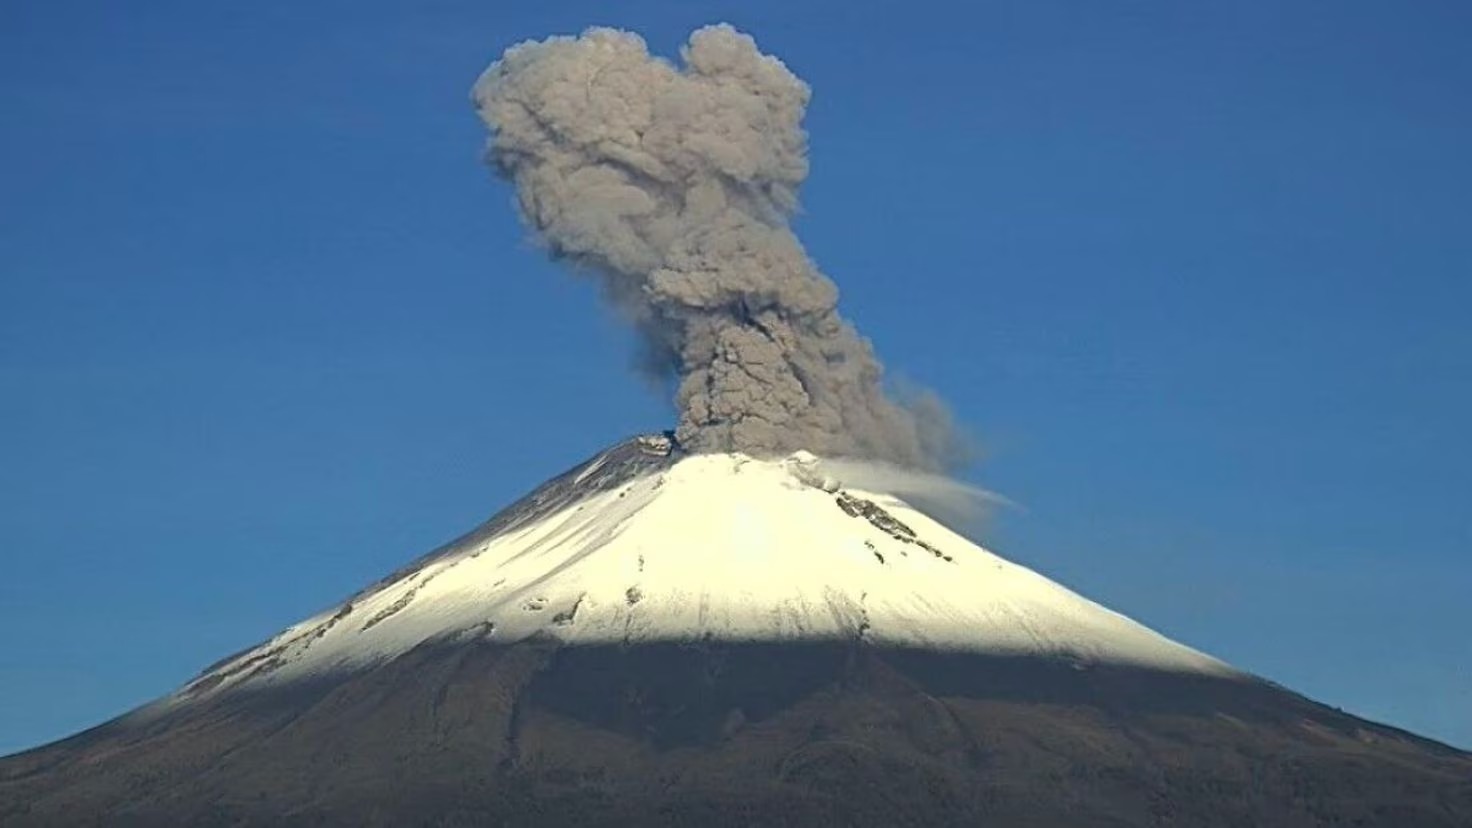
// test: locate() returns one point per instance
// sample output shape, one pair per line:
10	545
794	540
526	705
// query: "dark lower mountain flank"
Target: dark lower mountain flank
709	734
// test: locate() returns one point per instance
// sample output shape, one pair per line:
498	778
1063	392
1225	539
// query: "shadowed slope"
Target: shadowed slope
540	733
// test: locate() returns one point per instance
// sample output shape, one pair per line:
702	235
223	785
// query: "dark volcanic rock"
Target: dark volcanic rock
718	734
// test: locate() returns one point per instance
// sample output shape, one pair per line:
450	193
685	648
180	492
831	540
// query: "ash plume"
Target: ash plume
674	186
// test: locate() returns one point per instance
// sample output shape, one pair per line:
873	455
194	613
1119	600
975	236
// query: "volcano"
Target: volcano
661	638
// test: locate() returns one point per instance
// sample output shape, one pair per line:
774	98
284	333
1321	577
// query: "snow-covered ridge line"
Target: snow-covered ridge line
642	454
642	544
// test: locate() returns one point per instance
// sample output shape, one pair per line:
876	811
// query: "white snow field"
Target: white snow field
641	545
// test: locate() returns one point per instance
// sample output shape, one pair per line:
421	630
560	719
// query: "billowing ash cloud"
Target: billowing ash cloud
675	186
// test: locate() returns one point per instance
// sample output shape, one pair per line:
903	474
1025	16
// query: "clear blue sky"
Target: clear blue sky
1197	277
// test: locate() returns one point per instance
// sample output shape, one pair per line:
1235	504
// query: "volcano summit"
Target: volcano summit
657	638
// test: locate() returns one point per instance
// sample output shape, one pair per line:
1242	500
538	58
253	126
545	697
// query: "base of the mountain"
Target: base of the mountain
712	734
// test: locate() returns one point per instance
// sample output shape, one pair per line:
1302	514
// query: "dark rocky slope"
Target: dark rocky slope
715	734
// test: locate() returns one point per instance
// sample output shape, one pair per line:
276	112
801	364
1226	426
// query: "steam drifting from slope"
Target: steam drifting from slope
962	507
674	185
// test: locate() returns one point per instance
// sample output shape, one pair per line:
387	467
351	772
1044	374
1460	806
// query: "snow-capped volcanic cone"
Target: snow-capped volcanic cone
638	546
656	638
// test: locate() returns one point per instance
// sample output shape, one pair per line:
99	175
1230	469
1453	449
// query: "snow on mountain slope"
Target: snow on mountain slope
642	544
